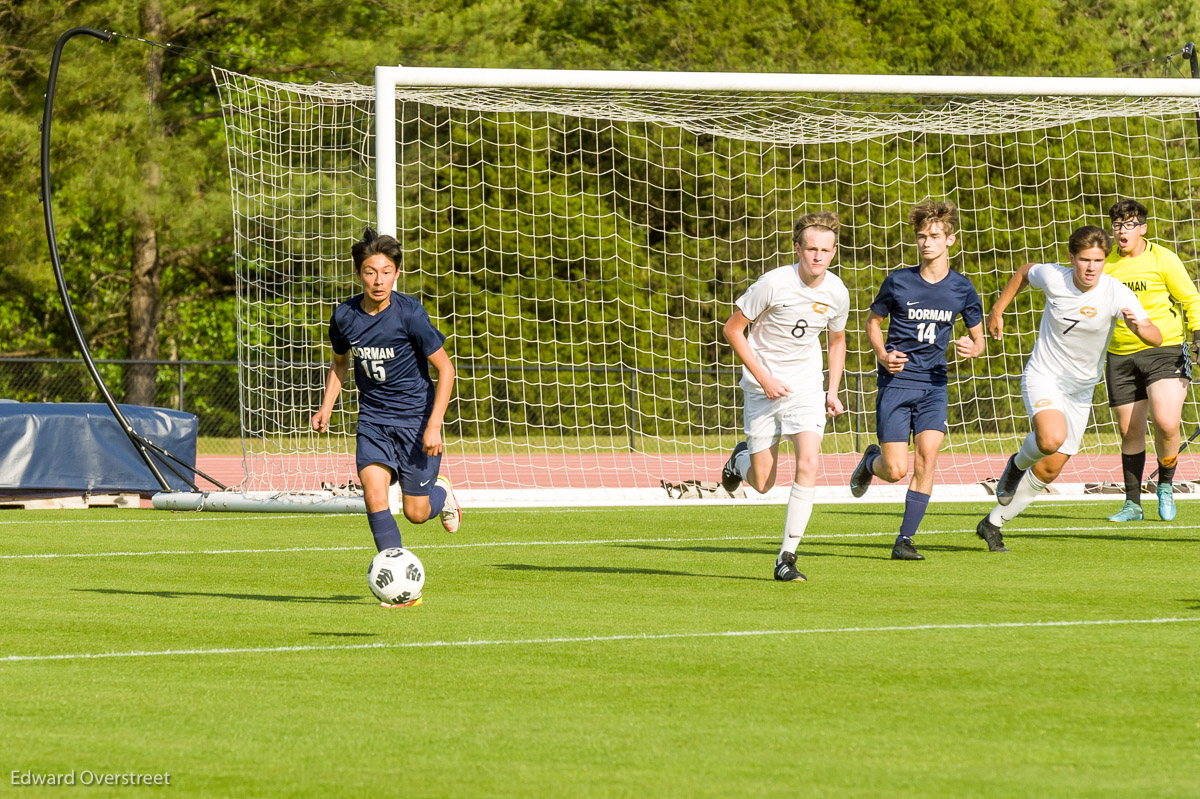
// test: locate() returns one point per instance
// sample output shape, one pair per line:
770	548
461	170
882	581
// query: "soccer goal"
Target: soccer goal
581	237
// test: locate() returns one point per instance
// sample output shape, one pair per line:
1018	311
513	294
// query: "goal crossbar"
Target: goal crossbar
806	83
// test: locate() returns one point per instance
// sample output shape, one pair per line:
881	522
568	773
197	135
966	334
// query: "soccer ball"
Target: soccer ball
396	576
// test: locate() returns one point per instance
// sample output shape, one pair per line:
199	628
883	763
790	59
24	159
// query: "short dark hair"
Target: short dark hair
1124	209
1087	237
374	244
929	211
821	220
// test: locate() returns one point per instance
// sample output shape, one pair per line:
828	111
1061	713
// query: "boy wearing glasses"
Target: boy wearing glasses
1143	380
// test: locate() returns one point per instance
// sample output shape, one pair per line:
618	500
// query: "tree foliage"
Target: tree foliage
107	127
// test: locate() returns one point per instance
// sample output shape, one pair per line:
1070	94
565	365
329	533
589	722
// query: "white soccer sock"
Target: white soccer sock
799	511
1027	491
741	464
1029	453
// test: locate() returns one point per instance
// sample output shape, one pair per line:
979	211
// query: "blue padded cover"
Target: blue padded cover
58	449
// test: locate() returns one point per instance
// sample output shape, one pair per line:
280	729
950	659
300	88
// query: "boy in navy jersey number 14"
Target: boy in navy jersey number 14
922	303
400	413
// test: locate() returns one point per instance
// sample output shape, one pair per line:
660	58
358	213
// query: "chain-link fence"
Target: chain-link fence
208	389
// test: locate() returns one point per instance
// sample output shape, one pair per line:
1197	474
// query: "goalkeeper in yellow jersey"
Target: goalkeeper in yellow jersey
1149	380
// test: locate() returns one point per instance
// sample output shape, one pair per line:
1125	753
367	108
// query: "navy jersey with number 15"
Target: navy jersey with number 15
922	322
391	358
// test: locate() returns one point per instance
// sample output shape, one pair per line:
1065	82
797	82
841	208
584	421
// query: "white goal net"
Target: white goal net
582	248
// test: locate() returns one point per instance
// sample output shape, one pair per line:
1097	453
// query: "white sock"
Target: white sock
741	464
799	511
1029	453
1027	491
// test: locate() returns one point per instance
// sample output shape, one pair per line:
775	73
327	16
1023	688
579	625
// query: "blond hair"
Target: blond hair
821	220
928	211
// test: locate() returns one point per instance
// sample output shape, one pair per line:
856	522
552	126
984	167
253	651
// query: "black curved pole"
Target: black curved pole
1189	52
48	212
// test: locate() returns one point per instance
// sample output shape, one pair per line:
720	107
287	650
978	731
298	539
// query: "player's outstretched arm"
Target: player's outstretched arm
1183	291
894	360
836	342
735	334
1018	281
432	440
1143	328
333	387
971	346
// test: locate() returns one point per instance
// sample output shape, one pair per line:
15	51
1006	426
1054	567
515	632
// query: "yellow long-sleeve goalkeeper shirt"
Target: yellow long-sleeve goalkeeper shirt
1161	284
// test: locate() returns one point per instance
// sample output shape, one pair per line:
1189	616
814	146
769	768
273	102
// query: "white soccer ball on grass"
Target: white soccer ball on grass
396	576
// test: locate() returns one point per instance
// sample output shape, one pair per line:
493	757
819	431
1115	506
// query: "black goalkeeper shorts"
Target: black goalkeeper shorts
1128	376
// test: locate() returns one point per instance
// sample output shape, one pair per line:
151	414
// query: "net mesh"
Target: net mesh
583	248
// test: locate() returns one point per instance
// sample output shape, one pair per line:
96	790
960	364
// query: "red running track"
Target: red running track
627	469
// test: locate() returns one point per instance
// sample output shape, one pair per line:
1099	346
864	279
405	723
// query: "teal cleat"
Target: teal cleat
1131	512
1166	502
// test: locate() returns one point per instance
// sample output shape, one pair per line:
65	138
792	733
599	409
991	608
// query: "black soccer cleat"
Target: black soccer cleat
990	533
860	480
785	569
1010	478
904	550
730	479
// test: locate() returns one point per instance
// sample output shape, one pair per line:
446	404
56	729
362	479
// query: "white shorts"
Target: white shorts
767	420
1073	400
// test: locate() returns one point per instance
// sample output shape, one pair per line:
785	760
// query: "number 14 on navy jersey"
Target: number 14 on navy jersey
921	321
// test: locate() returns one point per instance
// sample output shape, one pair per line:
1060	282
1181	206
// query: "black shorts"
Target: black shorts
1128	376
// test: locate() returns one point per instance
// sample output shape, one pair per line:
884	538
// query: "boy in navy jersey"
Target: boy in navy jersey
922	303
400	413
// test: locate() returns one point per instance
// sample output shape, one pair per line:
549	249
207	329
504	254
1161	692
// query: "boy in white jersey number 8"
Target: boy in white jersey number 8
785	311
1083	306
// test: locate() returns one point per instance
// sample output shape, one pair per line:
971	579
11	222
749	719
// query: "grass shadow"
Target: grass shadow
886	548
340	599
617	570
1017	533
767	550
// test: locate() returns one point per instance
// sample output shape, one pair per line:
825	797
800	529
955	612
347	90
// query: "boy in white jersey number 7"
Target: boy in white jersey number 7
1083	306
785	311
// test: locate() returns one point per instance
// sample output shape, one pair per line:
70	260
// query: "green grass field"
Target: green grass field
606	653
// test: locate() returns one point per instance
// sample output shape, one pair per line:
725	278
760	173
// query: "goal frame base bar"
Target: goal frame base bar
258	502
327	502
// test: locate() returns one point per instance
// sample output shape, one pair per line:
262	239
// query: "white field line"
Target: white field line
581	542
192	517
593	639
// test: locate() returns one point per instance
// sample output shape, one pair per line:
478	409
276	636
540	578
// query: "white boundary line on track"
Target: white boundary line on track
592	639
581	542
181	517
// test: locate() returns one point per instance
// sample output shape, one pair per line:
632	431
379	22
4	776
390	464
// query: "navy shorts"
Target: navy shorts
400	449
900	412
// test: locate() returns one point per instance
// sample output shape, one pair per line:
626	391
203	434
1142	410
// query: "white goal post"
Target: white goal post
581	236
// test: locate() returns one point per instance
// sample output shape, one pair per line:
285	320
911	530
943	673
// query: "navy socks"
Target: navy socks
384	528
915	504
